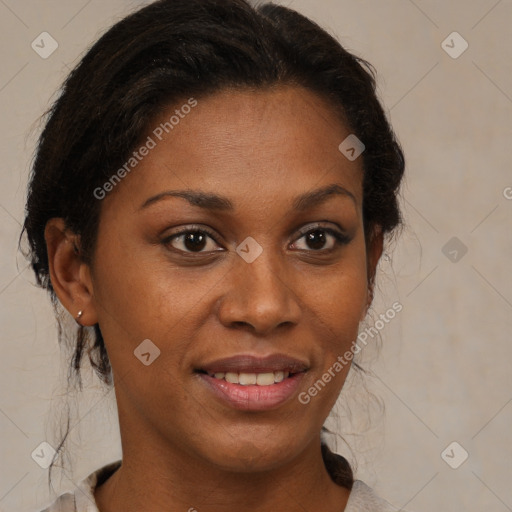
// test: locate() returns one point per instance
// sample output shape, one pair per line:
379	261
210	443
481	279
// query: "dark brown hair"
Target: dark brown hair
175	49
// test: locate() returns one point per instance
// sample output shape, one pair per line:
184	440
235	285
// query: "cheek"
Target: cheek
336	324
341	294
138	298
338	304
340	317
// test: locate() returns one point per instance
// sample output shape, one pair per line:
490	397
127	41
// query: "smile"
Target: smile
250	382
248	379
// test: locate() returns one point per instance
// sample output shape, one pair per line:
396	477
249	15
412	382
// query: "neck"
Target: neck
163	478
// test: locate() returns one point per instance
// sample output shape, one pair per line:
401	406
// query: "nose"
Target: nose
260	296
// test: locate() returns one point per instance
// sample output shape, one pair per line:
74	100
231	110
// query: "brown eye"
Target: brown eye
195	241
316	239
192	241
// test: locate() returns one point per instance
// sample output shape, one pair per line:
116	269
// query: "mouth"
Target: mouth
253	383
251	379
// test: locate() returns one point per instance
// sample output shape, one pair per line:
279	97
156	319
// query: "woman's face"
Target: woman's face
222	247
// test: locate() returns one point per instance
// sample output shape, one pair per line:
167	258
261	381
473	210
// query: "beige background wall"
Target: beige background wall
445	367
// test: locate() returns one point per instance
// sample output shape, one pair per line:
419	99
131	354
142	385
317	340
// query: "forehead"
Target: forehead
266	144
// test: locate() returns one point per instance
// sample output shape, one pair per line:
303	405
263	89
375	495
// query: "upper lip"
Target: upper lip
246	363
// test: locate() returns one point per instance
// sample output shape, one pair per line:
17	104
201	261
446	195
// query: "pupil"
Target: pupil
316	239
195	241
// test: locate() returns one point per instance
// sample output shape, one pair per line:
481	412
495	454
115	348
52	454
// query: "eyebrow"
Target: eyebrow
216	202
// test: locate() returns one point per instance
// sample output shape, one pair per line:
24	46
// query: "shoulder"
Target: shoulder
82	500
64	503
364	499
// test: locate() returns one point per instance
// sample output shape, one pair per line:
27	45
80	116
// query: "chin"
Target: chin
247	456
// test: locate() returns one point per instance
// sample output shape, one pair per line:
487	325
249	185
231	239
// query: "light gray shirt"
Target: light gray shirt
362	498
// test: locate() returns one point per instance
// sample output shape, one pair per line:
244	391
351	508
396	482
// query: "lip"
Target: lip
253	397
253	364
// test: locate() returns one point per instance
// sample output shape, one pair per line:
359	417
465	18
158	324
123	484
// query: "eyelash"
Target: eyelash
340	238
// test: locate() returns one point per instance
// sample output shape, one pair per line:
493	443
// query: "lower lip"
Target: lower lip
253	397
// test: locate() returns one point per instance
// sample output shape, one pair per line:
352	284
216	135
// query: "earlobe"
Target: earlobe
69	274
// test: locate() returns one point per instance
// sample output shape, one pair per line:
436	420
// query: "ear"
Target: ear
69	275
374	253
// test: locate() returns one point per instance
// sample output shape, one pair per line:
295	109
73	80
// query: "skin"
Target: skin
182	448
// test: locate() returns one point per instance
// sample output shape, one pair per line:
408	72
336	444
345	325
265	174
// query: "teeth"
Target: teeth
246	379
265	379
232	377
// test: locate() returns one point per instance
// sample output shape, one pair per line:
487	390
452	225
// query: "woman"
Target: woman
209	200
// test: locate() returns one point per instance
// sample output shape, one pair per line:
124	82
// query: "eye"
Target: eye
192	240
318	237
200	240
